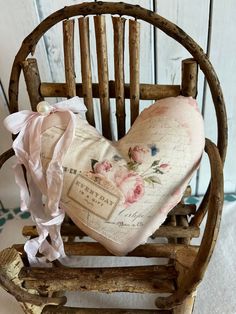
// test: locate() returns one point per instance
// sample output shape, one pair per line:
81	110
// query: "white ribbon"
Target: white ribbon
48	216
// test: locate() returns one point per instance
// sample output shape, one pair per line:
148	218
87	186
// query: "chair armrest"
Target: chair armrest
10	266
215	203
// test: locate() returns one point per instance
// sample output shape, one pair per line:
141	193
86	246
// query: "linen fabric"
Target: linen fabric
120	192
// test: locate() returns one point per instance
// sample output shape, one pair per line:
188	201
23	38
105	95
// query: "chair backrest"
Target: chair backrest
105	88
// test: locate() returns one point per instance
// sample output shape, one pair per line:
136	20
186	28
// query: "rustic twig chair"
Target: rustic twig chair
37	289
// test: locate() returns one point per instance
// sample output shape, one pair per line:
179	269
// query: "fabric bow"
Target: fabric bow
47	214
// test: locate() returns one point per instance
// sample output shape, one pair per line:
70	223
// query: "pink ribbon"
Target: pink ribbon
47	214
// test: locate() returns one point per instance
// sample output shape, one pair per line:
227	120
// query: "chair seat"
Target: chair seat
135	279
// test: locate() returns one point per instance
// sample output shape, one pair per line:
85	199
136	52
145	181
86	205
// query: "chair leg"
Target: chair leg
186	307
183	262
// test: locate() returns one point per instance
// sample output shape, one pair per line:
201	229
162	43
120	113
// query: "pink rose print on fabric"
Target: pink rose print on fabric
102	167
131	184
130	179
138	154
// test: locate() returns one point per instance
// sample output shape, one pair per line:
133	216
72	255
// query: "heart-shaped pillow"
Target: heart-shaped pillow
120	192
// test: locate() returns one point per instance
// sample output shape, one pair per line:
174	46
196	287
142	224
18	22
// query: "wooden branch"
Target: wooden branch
183	262
86	68
67	230
68	42
189	78
186	307
134	61
137	12
183	221
119	32
202	210
177	232
74	310
187	192
10	266
164	231
102	61
108	279
195	274
145	250
32	80
67	273
171	221
5	156
147	91
183	209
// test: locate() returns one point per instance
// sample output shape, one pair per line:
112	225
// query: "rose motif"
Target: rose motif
138	154
131	184
130	179
102	167
163	166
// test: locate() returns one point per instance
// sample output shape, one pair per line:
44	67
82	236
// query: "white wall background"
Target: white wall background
210	22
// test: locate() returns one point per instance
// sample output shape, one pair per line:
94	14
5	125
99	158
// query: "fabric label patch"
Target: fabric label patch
92	196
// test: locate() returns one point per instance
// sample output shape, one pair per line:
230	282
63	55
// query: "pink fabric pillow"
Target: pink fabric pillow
120	192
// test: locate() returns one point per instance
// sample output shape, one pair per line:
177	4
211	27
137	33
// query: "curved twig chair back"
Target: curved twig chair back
189	261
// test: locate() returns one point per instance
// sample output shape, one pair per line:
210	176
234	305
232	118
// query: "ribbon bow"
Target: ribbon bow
47	215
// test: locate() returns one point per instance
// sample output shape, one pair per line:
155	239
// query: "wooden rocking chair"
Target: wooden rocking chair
39	290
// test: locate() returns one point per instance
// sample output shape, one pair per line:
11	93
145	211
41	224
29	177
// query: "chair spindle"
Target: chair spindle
102	64
182	220
134	57
33	82
119	30
172	222
86	67
68	41
189	77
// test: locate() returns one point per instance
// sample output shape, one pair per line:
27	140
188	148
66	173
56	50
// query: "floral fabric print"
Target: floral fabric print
131	179
131	185
138	154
